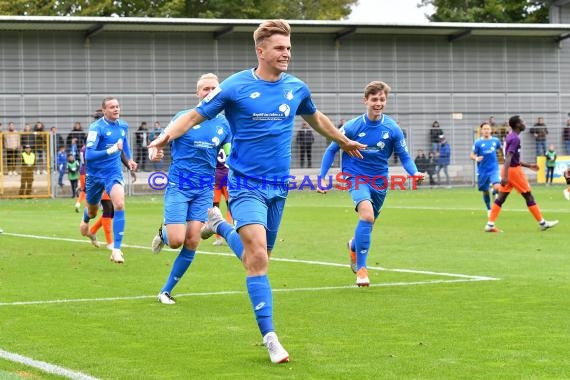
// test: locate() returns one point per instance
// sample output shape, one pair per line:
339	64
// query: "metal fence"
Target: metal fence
46	175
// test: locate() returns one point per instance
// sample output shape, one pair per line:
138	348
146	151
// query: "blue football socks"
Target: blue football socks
118	228
232	237
180	266
261	299
362	242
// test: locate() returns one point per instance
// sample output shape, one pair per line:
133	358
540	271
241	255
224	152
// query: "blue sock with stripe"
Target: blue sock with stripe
180	266
362	242
232	237
261	299
118	228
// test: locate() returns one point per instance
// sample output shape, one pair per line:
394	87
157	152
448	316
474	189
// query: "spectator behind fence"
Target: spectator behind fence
28	163
141	141
566	136
443	159
76	132
421	161
73	173
27	138
434	134
550	163
61	161
40	146
12	146
540	132
305	140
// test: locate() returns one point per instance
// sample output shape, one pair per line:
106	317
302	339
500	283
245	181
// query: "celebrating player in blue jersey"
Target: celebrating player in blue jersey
260	105
106	139
369	177
190	187
484	152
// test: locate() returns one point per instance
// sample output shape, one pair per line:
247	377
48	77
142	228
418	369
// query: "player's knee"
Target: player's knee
191	242
119	205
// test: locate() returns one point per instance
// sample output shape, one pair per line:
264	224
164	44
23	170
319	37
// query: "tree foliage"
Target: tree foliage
236	9
492	11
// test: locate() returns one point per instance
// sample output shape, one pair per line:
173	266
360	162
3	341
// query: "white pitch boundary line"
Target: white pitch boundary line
310	262
234	292
45	367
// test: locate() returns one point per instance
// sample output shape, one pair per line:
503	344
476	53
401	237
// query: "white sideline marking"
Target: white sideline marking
45	367
310	262
233	292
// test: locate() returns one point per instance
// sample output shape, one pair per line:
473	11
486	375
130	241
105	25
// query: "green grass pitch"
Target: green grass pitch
448	301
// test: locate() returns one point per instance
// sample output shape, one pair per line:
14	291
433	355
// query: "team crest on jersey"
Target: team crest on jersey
109	133
254	95
285	109
216	140
288	94
386	136
381	144
220	131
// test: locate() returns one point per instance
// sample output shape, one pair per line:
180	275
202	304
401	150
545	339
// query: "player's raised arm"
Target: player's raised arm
322	124
177	128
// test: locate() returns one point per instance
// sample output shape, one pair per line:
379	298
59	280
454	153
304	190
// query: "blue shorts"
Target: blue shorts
94	187
257	203
487	178
365	192
181	206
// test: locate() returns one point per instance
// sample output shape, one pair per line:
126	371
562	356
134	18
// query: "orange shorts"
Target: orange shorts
218	192
105	196
82	182
517	180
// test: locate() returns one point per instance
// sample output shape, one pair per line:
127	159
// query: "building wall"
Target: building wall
60	78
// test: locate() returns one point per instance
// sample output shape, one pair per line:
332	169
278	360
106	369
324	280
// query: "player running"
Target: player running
484	152
190	187
106	139
368	177
260	104
513	177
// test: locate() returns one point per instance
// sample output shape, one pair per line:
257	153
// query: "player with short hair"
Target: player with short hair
106	139
484	152
513	177
190	187
369	177
260	104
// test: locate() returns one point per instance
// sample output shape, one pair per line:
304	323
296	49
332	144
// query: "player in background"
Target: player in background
106	139
513	177
382	137
190	187
484	153
106	219
260	104
221	188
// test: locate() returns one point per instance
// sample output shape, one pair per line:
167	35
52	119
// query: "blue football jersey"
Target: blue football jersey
102	135
194	154
487	148
382	137
261	116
